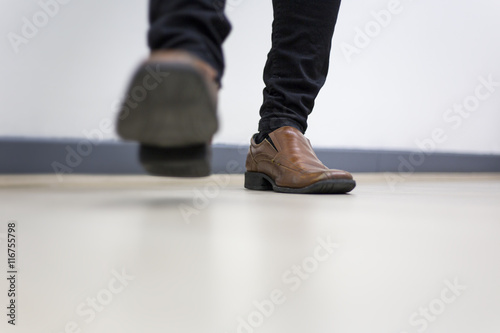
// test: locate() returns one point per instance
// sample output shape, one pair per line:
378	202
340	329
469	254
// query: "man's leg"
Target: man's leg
197	26
298	62
171	103
280	157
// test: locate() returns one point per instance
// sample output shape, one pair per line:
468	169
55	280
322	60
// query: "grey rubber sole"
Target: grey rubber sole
169	110
262	182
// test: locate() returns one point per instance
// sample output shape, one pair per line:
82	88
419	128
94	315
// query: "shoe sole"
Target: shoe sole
261	182
170	111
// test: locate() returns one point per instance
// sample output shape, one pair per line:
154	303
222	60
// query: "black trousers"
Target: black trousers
296	66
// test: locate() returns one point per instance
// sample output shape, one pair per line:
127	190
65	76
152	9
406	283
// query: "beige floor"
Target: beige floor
415	253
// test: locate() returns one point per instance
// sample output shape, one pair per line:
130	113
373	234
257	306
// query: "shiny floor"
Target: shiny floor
402	253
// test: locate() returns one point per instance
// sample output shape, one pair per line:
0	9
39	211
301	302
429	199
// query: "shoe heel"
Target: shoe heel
257	181
190	161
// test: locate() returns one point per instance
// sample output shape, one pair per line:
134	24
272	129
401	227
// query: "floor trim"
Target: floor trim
73	156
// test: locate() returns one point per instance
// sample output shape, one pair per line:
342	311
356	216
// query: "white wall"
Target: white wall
393	92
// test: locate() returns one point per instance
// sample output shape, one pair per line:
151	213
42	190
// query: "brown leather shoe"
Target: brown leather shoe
171	110
292	167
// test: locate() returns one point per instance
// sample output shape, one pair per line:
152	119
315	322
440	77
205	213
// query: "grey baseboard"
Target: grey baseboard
73	156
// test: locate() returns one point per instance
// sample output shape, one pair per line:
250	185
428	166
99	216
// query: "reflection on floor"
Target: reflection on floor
402	253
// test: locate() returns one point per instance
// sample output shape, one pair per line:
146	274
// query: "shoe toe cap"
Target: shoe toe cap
338	174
